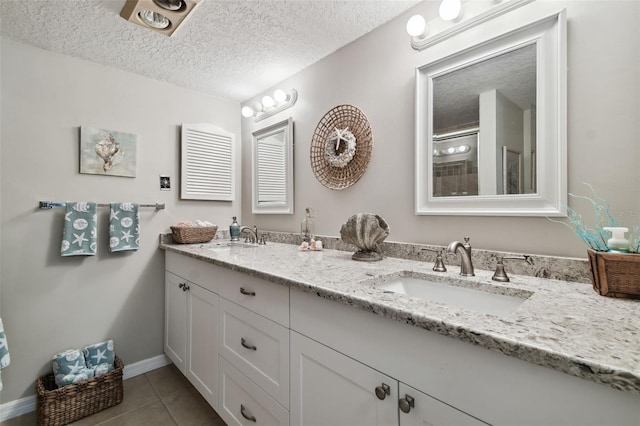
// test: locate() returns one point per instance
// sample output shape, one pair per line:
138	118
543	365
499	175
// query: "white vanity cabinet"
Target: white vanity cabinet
329	388
462	383
266	354
191	326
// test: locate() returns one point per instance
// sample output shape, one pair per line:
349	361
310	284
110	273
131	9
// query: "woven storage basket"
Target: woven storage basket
61	406
615	274
193	234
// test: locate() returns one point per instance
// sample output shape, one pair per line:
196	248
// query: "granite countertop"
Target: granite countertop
562	325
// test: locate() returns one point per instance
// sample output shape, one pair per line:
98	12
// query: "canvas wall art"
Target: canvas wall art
107	152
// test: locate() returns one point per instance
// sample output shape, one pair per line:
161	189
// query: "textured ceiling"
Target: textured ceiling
229	49
456	94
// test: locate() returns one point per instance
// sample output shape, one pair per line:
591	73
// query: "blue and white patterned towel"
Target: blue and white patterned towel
80	230
124	230
98	354
5	358
70	367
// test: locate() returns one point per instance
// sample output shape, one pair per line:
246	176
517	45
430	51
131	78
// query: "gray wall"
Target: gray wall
376	74
50	303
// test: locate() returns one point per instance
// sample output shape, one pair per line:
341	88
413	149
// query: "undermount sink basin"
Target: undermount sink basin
226	245
484	298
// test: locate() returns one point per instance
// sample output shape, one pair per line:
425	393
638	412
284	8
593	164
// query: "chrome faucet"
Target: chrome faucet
466	265
252	238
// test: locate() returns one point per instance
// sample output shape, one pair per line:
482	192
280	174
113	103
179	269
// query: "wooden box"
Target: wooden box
615	274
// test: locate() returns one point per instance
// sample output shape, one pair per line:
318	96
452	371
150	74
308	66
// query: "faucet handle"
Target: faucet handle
500	275
439	264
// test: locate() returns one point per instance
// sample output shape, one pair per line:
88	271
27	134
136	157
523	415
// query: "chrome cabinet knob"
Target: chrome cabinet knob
405	404
382	391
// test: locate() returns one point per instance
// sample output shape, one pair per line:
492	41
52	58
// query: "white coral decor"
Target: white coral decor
333	145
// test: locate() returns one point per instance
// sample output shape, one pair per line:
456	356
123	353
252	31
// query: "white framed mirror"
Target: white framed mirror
272	165
491	122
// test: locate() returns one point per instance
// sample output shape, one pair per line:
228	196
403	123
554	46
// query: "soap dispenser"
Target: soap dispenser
617	243
234	230
308	226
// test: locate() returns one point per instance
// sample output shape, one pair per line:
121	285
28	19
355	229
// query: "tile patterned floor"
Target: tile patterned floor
161	397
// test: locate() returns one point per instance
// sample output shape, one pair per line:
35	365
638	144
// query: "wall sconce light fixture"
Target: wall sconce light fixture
417	27
452	11
271	105
163	16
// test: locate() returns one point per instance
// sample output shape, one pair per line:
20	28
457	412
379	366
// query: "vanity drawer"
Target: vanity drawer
258	347
243	402
263	297
194	270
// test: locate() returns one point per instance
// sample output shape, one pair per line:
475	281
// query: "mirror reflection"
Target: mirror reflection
484	127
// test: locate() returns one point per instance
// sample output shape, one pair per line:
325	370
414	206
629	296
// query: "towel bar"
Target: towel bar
46	205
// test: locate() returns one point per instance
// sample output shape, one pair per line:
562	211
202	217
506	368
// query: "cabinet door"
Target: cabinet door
427	411
329	388
175	320
202	365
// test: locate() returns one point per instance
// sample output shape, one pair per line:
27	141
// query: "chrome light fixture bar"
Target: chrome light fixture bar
271	105
163	16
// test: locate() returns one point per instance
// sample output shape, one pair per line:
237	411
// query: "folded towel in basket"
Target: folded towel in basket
5	358
124	230
69	362
98	354
79	234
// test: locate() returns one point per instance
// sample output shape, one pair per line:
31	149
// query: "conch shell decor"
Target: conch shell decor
365	231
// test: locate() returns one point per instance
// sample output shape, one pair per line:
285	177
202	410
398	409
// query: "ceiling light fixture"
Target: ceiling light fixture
154	19
163	16
270	105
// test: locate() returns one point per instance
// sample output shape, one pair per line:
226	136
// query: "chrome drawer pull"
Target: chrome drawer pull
246	345
247	293
245	415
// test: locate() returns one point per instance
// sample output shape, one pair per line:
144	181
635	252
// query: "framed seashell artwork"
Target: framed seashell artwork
107	152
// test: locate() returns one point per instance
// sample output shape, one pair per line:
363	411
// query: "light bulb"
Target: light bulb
450	10
451	150
247	112
154	19
416	26
280	95
257	106
268	101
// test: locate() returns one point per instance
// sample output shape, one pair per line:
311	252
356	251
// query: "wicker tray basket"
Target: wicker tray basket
193	234
615	274
61	406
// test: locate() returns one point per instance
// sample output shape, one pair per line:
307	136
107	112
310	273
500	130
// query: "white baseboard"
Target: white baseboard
21	406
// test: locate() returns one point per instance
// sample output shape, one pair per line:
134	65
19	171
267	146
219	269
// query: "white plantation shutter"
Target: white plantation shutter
272	171
208	163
